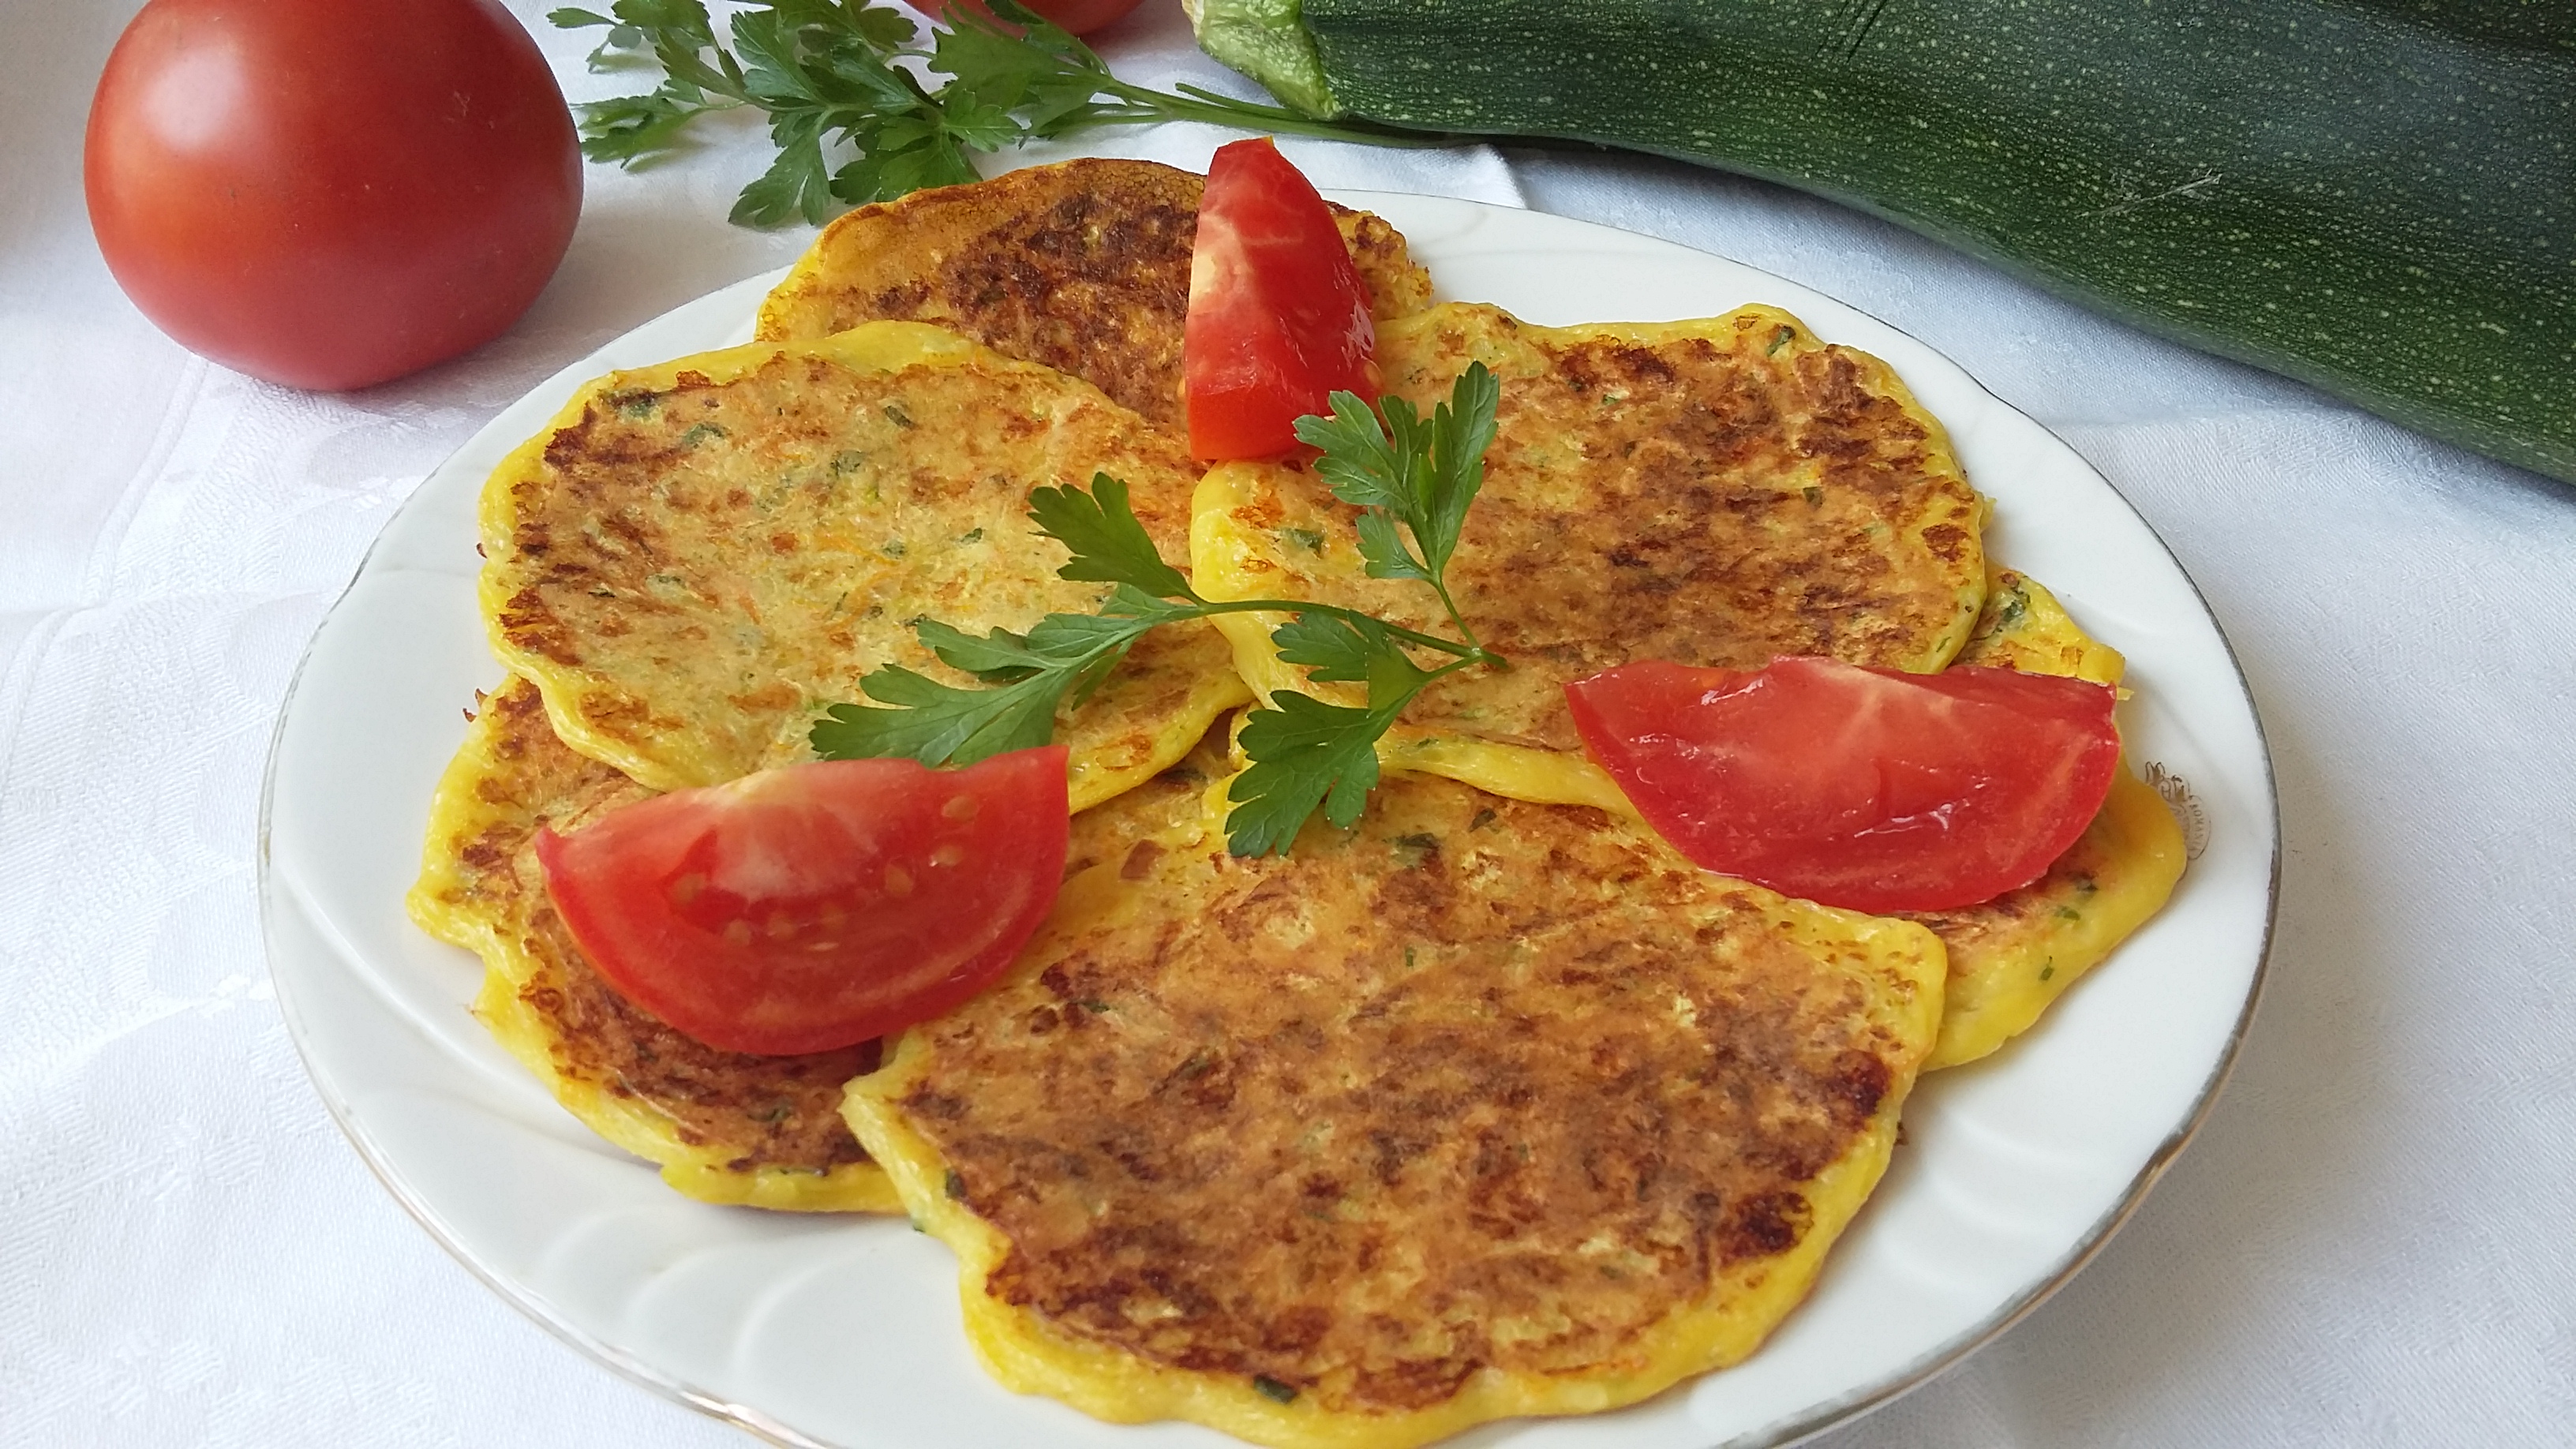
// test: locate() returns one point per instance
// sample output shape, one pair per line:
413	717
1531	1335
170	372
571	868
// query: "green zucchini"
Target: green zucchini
2376	197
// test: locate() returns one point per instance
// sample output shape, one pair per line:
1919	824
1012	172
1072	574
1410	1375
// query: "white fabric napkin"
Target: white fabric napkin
2366	1245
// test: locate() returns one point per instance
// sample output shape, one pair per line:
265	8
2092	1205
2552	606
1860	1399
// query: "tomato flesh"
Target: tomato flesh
1868	788
330	193
1278	318
820	905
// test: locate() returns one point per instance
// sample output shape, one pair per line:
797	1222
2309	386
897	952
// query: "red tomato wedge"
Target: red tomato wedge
1279	319
1867	788
820	905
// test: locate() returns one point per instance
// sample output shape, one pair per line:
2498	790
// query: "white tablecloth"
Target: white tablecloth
2369	1243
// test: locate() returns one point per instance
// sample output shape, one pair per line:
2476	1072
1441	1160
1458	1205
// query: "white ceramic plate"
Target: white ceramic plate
844	1331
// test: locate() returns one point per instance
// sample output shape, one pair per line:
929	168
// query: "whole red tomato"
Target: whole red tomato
330	193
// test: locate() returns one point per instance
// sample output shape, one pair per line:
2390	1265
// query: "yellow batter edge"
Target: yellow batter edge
444	903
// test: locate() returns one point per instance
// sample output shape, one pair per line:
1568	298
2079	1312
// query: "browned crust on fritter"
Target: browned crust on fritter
1083	266
1480	1084
780	1112
1720	504
711	605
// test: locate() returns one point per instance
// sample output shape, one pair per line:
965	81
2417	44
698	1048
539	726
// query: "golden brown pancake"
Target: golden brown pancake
1715	493
724	1126
2011	957
695	559
1481	1109
1083	266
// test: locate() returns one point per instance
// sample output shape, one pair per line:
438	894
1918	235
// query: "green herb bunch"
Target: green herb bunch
1413	480
846	80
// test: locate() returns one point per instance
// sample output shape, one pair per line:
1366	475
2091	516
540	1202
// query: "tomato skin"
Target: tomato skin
1279	319
1867	788
1078	17
330	193
820	905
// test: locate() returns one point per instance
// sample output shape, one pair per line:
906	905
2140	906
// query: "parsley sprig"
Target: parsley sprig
1413	481
847	80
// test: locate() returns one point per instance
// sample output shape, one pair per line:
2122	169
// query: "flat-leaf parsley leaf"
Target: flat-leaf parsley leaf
860	111
1413	482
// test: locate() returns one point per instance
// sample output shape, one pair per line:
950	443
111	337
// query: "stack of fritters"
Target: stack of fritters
692	560
1491	1106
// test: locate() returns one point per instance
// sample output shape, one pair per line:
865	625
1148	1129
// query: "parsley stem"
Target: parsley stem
1383	718
1472	658
1194	104
1470	651
1475	648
